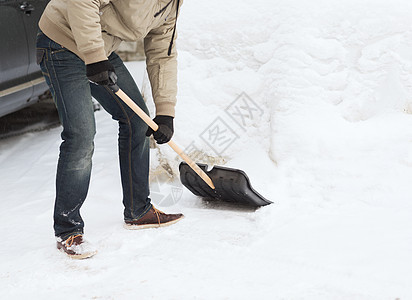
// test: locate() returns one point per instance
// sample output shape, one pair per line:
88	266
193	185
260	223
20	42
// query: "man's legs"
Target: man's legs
65	74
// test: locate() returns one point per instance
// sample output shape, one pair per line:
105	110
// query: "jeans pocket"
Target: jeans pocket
39	55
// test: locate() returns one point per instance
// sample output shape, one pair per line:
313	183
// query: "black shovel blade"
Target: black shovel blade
231	185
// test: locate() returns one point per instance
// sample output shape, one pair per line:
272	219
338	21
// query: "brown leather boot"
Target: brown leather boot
75	247
152	219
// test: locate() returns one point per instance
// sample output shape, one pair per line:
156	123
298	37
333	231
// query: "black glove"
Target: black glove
101	73
165	131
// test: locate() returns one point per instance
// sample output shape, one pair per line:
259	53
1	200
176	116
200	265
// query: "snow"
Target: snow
329	141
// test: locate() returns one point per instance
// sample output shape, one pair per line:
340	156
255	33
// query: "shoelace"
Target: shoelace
158	212
69	242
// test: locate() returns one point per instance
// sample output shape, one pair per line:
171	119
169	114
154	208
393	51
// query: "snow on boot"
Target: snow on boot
75	247
152	219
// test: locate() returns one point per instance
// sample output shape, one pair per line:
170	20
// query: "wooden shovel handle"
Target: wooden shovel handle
154	126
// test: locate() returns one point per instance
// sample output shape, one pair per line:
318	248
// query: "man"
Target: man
75	49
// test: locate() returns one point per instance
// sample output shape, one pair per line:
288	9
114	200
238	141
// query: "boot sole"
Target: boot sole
82	256
78	256
145	226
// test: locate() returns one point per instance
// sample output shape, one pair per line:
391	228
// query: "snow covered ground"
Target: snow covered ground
313	100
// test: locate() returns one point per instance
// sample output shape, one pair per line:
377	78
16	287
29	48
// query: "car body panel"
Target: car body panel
21	81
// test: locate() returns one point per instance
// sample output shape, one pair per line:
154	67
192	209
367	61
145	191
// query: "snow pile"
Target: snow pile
312	100
332	85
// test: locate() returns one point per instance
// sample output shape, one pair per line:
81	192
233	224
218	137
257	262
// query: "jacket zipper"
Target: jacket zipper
169	51
163	9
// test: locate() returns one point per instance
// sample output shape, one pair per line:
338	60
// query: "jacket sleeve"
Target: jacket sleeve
161	68
84	20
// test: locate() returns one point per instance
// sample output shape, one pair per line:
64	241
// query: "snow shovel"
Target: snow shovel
221	183
231	185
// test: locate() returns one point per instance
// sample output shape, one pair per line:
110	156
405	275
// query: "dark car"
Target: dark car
21	81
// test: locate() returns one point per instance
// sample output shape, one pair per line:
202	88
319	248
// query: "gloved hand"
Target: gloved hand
101	73
165	131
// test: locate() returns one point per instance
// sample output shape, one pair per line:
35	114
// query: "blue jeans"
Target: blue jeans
65	73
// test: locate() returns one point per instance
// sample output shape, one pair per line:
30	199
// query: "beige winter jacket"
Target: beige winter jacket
93	29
